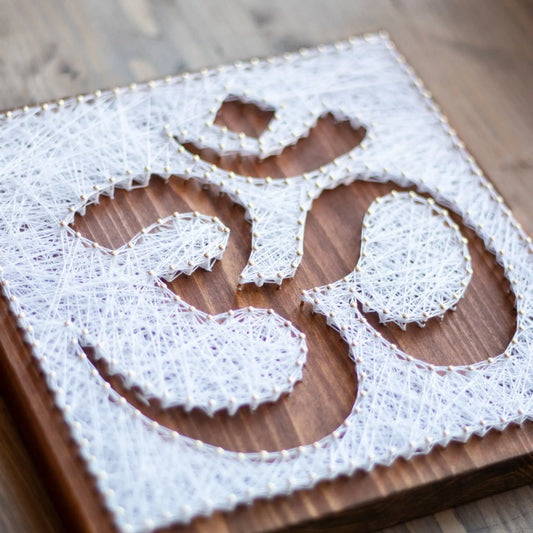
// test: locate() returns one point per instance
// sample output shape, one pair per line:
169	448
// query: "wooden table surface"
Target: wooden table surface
476	57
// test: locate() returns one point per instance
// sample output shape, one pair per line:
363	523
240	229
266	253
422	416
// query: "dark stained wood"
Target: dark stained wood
244	117
477	58
24	504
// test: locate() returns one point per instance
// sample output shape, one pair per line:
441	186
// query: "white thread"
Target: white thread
414	262
194	359
57	159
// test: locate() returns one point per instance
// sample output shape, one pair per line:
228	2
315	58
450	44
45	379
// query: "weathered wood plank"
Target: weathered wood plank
476	58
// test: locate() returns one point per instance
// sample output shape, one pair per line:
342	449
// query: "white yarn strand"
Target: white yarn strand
69	293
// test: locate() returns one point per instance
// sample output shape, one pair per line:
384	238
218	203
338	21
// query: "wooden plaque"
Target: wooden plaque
481	327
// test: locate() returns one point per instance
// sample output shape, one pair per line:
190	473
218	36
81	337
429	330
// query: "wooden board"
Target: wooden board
484	321
482	326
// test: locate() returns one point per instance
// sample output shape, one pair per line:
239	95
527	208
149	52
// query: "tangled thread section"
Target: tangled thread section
164	347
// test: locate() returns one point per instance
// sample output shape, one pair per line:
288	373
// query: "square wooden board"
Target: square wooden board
387	495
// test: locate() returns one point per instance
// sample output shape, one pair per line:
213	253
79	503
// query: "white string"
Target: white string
165	347
68	293
414	263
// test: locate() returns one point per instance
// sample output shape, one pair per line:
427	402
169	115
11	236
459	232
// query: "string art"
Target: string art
69	293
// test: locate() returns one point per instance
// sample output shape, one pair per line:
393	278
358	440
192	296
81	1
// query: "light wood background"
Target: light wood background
476	57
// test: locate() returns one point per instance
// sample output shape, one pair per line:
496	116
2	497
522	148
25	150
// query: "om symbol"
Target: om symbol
418	227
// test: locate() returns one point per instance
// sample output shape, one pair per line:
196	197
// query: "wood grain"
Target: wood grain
476	58
23	501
